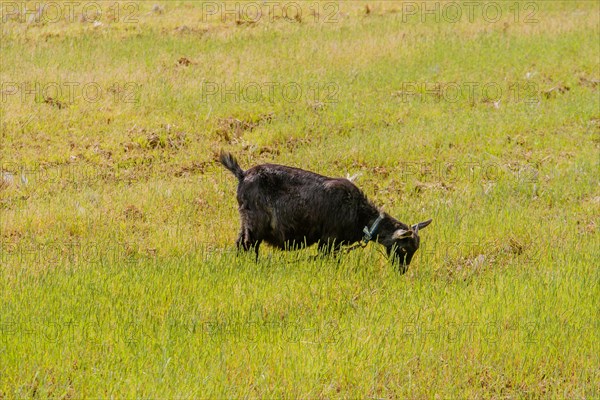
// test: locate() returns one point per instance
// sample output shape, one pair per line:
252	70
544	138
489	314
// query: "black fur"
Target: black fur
289	208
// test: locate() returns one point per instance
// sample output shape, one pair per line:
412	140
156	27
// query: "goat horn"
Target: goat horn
402	234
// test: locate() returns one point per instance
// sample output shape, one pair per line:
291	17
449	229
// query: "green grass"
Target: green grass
119	274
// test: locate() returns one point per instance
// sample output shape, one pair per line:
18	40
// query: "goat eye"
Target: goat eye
403	250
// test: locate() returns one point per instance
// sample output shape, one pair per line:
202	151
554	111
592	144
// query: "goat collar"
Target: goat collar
370	232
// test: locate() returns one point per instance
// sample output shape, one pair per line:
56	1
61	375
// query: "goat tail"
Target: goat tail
229	161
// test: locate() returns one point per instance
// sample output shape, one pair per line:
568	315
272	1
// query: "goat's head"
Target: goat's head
404	244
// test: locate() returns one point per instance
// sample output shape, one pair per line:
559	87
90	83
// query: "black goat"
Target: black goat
290	208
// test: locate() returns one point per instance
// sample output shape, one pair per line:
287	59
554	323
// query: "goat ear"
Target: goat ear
402	234
421	225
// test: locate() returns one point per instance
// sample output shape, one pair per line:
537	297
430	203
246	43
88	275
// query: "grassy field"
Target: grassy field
119	276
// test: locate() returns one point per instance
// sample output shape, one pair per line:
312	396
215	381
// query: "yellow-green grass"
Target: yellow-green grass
119	274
